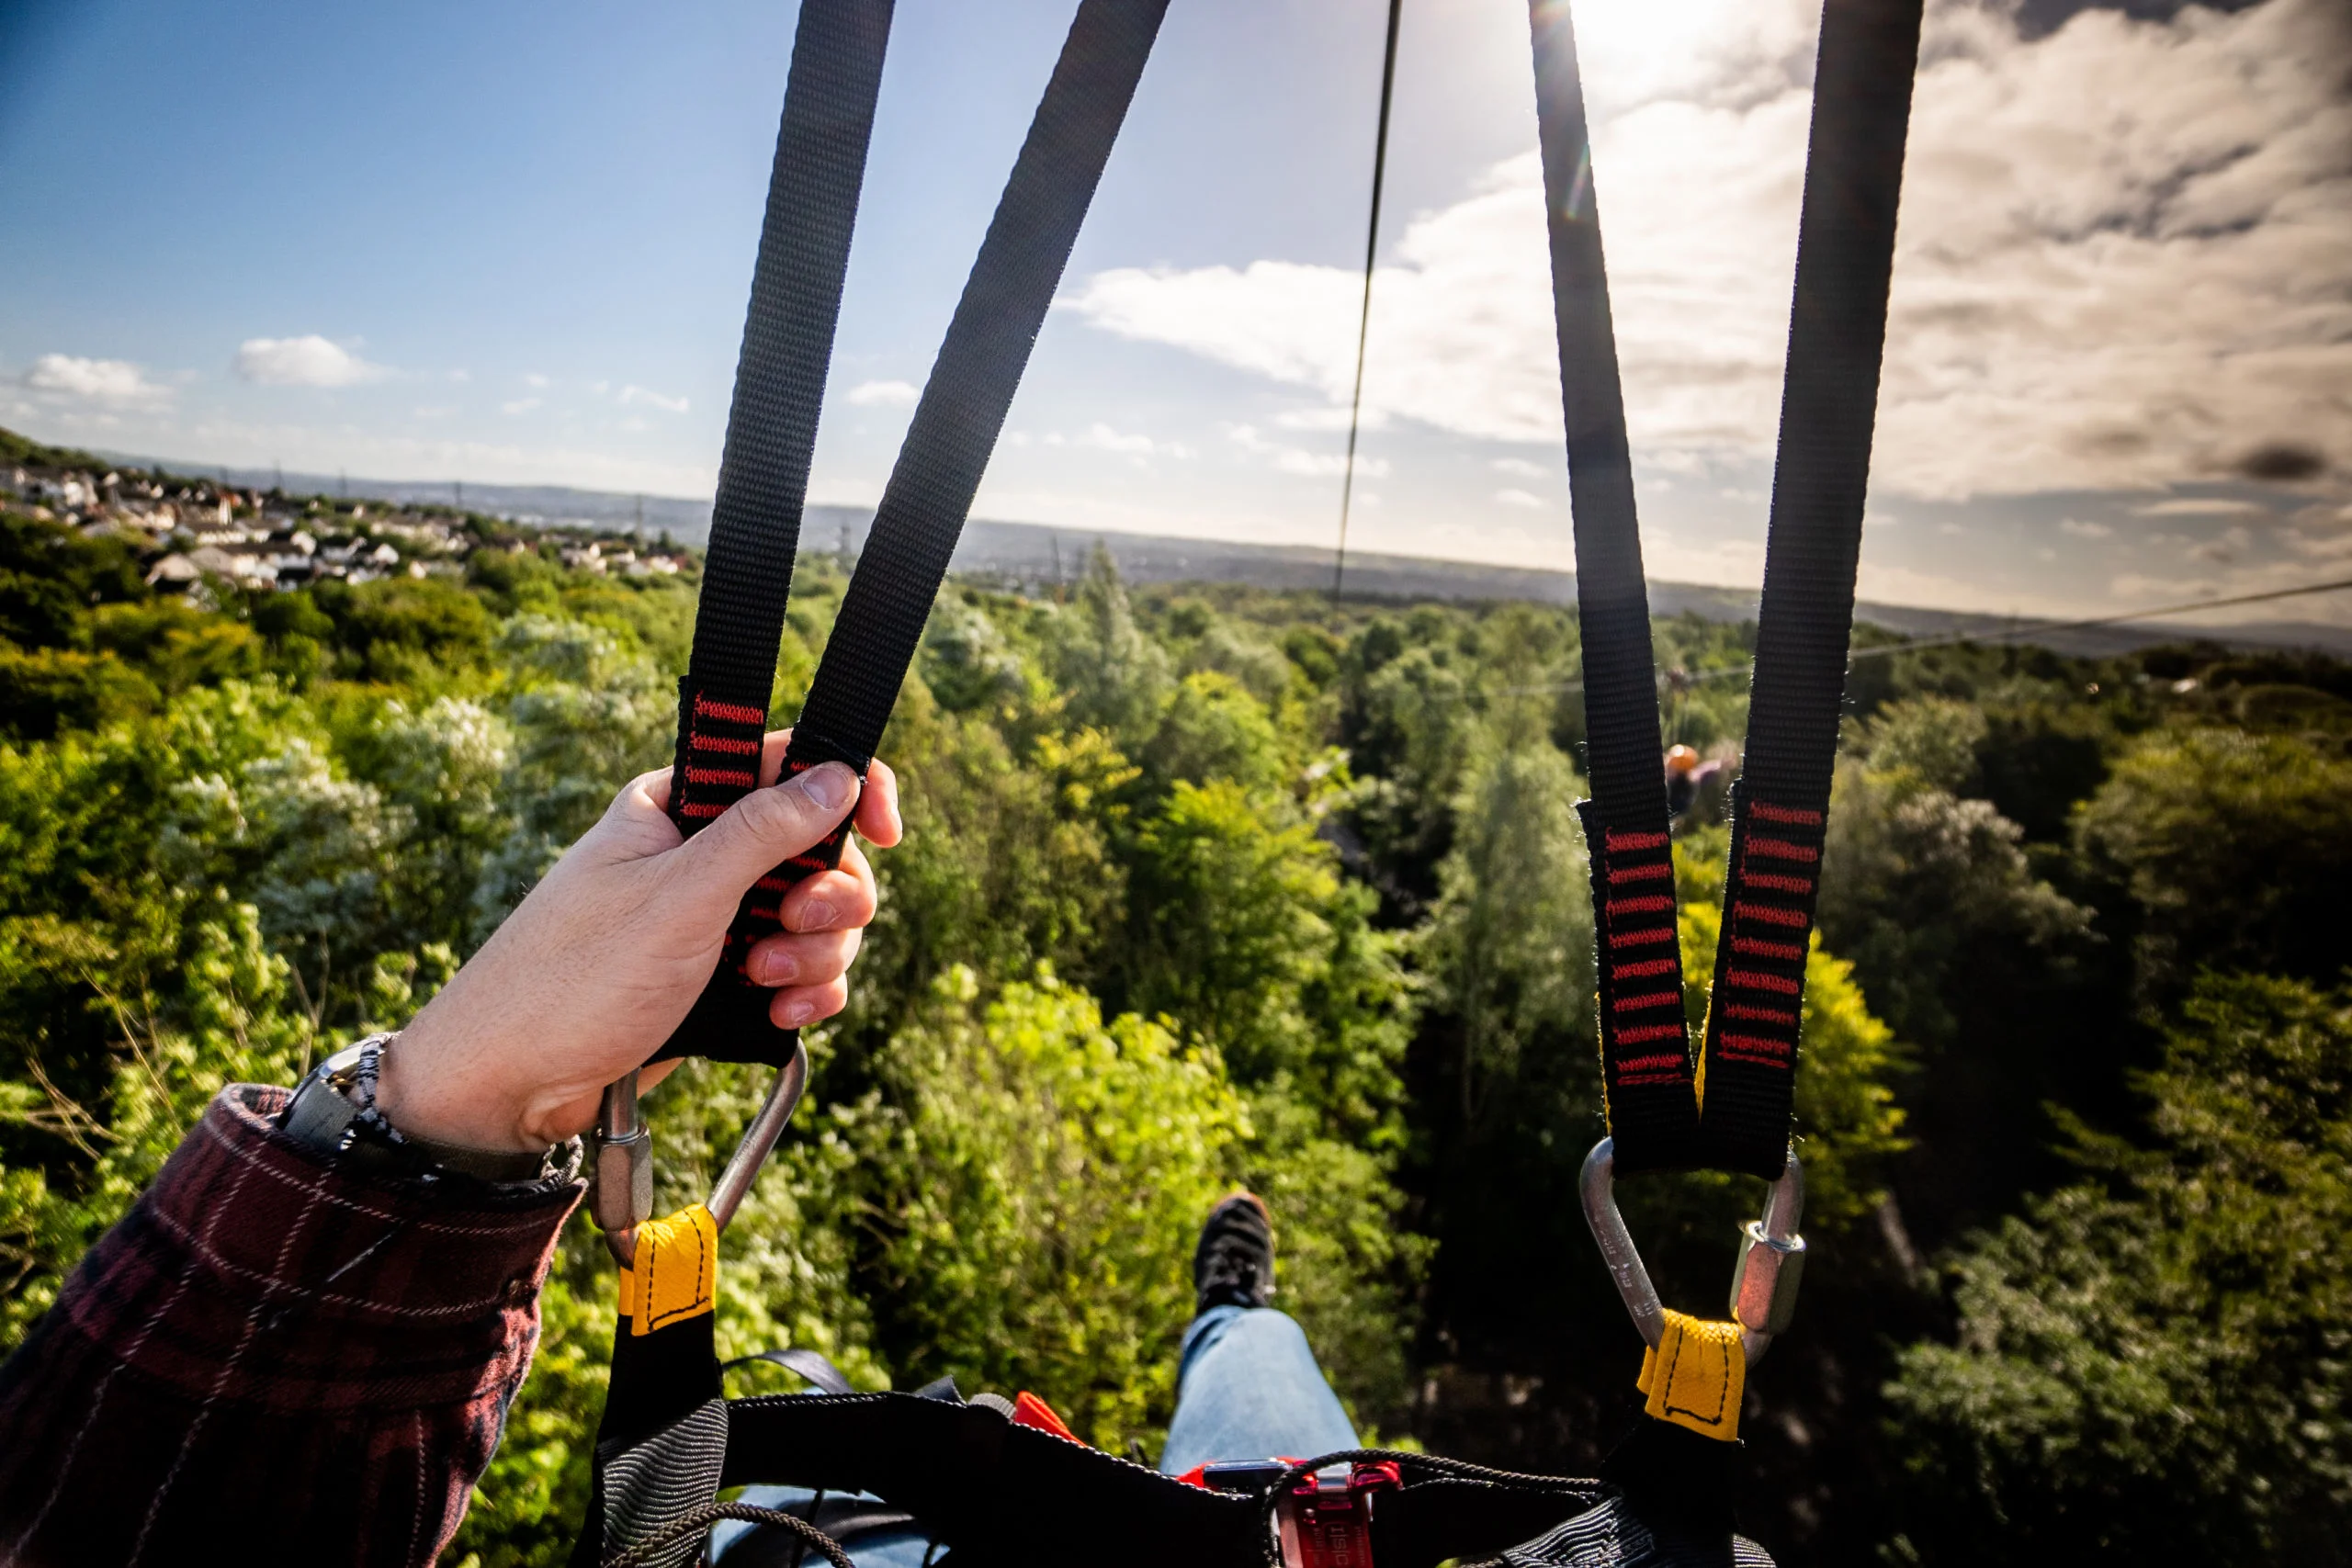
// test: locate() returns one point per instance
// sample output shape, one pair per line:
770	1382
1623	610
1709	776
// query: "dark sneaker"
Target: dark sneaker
1234	1264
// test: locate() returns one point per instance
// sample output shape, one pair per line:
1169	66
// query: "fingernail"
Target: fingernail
798	1013
815	916
775	969
829	785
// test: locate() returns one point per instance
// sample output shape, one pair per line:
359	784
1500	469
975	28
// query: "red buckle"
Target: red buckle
1326	1521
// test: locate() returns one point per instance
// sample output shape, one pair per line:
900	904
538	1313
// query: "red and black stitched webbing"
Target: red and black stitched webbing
921	514
1757	1002
1853	185
1644	1045
1735	1112
822	142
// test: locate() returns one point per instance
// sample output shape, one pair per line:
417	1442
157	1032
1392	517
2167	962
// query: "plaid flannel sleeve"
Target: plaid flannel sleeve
274	1359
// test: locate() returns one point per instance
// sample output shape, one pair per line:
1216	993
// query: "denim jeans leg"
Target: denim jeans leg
1248	1387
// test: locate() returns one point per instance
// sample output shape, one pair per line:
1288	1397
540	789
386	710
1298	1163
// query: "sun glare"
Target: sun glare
1635	49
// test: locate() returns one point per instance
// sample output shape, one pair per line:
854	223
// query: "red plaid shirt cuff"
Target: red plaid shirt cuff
274	1356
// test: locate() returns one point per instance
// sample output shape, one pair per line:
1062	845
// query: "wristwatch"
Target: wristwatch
334	1111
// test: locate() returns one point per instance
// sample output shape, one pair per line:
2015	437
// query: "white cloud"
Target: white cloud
535	380
308	361
2229	547
1103	438
1109	440
519	405
2172	589
2198	506
885	394
1298	461
2082	529
2120	263
1519	498
110	383
1332	419
633	394
1522	467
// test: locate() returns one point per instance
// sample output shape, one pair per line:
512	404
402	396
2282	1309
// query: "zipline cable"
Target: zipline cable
1363	315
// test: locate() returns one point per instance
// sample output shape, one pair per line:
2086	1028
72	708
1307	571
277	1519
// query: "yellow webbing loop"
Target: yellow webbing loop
1695	1375
674	1273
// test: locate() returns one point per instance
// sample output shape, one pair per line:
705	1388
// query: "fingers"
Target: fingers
768	827
634	826
832	900
793	959
877	808
824	919
804	1005
646	789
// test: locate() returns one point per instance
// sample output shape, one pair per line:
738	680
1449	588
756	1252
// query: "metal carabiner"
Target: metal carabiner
1764	1282
623	1194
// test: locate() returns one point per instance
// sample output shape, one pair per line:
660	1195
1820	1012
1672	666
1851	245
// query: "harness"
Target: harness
995	1481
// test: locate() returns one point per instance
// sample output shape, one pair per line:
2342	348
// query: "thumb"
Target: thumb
767	827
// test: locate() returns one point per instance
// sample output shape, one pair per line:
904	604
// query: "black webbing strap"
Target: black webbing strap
820	149
972	382
938	471
661	1441
1732	1114
995	1492
1644	1043
655	1453
1853	183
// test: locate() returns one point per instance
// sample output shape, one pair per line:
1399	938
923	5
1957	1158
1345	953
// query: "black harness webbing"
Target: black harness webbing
930	493
972	382
1732	1111
665	1427
1853	182
1000	1493
1645	1053
821	149
997	1491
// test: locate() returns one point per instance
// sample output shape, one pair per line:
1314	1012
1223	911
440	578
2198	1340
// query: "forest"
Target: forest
1212	886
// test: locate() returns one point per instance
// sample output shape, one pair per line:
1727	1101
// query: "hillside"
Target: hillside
1211	883
1039	556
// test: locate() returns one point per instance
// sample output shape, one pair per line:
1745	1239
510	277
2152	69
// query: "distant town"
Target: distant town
192	531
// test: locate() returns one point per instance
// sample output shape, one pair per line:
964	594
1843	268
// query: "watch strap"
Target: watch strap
334	1111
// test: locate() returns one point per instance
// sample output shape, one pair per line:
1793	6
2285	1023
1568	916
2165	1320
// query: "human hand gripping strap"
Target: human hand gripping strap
719	756
921	513
822	142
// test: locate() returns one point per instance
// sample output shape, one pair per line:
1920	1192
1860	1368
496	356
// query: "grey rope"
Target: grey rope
653	1547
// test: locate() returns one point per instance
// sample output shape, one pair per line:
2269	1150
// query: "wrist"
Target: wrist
434	1088
335	1110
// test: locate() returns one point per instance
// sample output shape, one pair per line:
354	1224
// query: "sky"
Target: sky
510	242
